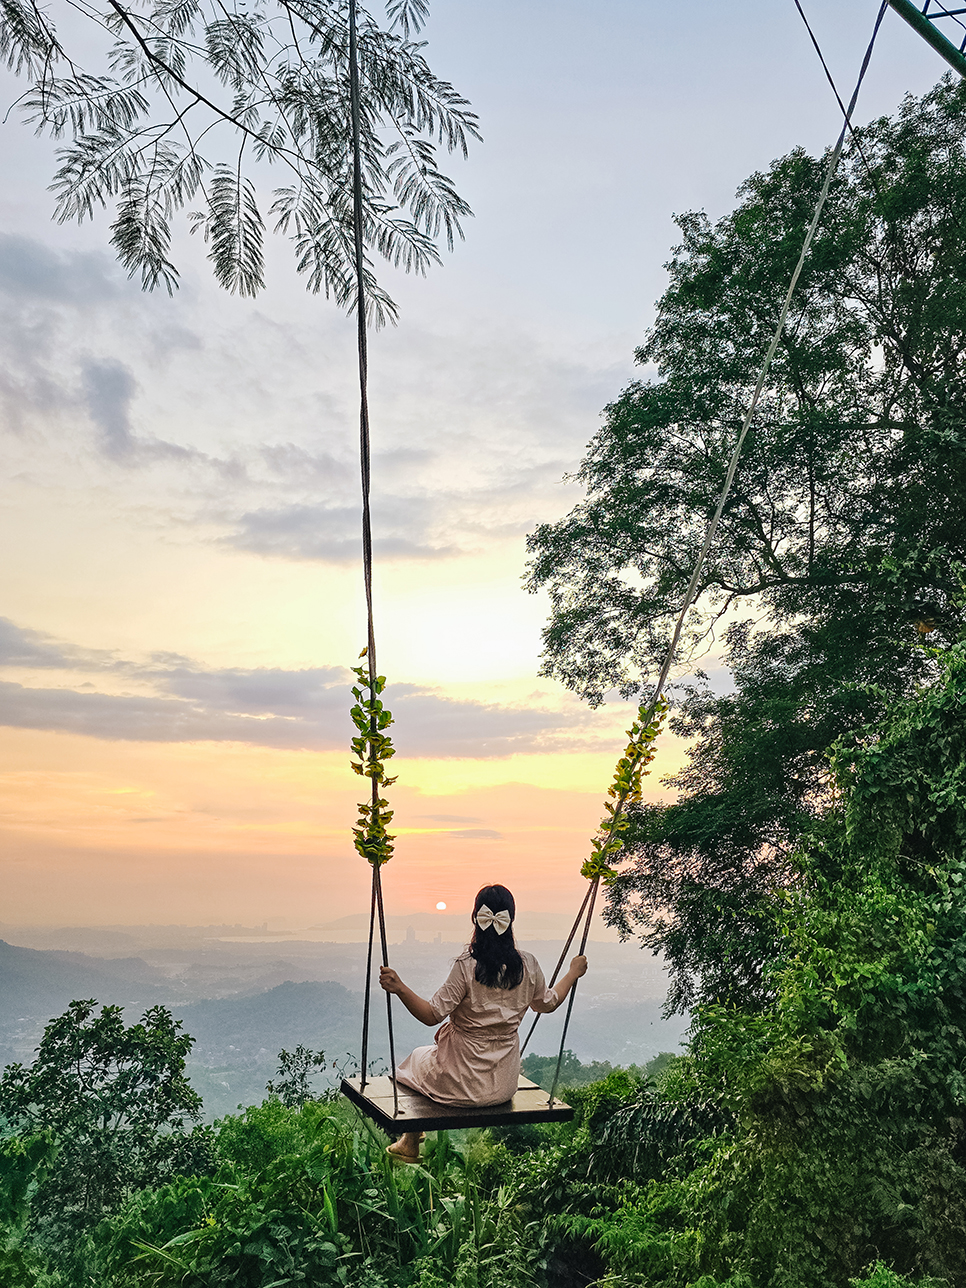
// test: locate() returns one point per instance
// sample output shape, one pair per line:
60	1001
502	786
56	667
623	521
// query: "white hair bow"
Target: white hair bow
500	921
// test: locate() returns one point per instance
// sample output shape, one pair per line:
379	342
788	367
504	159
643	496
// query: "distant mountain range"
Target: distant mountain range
262	997
37	985
237	1039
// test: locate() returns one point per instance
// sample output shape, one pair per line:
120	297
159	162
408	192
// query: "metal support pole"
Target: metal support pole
918	19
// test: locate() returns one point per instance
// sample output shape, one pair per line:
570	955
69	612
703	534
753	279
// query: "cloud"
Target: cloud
101	715
32	273
42	295
56	310
236	427
427	724
19	647
449	818
109	388
476	834
332	533
427	522
262	692
269	707
108	392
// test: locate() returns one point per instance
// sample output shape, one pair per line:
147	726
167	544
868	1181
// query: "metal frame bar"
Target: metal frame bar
924	22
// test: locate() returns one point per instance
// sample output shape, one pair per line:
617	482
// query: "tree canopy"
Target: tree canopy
161	104
114	1100
842	545
798	1146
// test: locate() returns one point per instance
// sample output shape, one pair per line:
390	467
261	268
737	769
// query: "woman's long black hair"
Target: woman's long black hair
498	964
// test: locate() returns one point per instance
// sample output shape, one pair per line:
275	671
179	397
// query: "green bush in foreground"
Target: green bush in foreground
308	1196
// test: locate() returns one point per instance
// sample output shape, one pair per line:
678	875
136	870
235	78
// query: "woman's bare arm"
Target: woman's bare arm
563	986
413	1003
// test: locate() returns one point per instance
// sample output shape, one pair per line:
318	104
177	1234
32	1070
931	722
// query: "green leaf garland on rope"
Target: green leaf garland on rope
373	747
625	790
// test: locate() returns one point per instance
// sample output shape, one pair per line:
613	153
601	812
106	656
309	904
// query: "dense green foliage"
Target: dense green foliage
843	541
834	1119
817	1143
115	1103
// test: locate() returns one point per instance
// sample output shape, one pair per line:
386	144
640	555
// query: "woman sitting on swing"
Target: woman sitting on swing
475	1059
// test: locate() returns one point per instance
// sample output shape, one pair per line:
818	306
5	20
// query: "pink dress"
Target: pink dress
475	1059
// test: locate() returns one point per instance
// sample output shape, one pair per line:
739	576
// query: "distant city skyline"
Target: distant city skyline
181	595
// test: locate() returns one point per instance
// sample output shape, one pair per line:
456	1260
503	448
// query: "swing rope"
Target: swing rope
376	907
643	733
560	961
648	712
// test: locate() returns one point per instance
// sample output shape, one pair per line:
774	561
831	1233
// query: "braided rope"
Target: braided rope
376	906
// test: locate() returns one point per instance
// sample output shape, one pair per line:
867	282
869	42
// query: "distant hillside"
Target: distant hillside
253	1009
36	984
316	1014
237	1039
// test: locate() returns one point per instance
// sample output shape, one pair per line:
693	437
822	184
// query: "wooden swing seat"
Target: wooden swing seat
419	1113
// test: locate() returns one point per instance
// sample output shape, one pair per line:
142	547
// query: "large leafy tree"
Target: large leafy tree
162	105
116	1102
803	1144
842	544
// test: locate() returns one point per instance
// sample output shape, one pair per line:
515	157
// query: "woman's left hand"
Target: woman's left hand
389	980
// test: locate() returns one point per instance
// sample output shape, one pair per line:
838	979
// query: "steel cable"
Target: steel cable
691	592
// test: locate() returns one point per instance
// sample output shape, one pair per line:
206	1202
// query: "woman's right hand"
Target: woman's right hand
389	980
579	966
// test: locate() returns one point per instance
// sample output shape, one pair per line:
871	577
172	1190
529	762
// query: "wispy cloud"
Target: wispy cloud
32	273
58	310
21	647
450	818
269	707
109	388
331	532
234	426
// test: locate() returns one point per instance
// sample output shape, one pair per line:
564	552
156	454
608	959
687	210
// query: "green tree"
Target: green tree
169	103
823	1138
116	1102
540	1069
293	1079
24	1163
843	543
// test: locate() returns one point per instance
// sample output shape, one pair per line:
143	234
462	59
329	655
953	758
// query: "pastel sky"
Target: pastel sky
180	585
